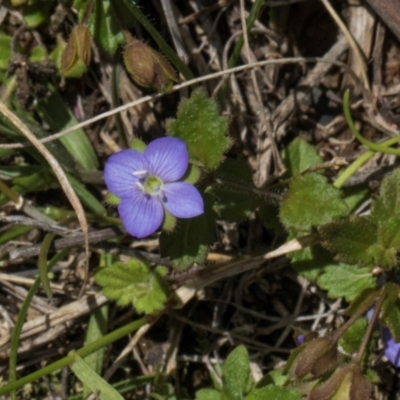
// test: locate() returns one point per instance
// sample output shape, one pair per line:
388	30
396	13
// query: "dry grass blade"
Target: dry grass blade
60	174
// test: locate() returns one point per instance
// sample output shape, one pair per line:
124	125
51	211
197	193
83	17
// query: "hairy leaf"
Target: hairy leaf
134	282
351	339
350	239
387	204
346	281
208	394
391	317
389	233
299	156
311	201
274	392
236	372
204	130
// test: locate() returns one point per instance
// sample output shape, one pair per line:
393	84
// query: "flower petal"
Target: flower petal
392	348
118	172
182	200
141	215
168	158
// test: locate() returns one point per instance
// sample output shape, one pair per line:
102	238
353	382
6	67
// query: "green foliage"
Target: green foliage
208	394
98	385
351	339
391	316
236	373
346	281
204	130
134	282
373	240
311	201
36	13
234	198
299	156
58	116
188	242
96	329
274	392
103	24
351	239
5	51
387	205
310	261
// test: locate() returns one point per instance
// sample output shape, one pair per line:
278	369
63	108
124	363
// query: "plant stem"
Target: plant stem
362	310
371	145
83	352
88	10
364	343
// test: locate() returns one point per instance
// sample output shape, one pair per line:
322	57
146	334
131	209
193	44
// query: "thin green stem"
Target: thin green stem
355	165
169	52
371	145
83	352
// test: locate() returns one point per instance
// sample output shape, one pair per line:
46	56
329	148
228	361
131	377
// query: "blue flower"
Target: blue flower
390	347
148	185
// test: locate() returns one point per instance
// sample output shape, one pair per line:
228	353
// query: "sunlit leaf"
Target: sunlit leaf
350	239
134	282
204	130
299	156
346	281
311	201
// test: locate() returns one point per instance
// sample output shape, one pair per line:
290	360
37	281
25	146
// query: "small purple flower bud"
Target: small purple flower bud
148	184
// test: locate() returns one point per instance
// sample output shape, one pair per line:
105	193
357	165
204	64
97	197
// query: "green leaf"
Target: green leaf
234	198
236	372
354	196
275	393
389	233
299	156
189	242
388	203
346	281
5	51
107	31
96	329
134	282
208	394
352	338
311	201
350	239
86	375
37	13
59	117
204	130
391	316
275	377
310	261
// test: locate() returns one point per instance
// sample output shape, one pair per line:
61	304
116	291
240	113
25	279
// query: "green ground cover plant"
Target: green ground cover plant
183	218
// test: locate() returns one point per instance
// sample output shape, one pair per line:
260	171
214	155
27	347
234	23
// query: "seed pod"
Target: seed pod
77	50
147	67
346	383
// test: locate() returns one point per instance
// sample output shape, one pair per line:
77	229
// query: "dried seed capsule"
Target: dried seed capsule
77	51
147	67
